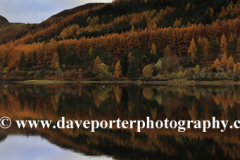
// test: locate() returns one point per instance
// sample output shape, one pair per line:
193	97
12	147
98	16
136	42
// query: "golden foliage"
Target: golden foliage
236	69
118	70
193	50
147	71
97	62
153	49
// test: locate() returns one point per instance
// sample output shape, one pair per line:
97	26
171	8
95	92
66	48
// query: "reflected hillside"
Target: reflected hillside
130	102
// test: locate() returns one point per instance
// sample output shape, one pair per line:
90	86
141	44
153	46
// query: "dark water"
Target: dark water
127	102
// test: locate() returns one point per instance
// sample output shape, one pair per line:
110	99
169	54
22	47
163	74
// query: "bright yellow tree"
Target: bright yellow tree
118	70
193	50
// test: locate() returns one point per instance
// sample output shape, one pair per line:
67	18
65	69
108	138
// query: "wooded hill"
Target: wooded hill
181	33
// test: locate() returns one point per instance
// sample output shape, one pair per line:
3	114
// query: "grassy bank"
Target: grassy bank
137	82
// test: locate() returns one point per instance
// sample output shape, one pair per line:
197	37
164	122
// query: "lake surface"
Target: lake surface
110	102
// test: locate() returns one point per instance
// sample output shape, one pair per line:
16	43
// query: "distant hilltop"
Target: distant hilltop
3	19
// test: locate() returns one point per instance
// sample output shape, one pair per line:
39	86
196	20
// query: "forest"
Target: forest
131	40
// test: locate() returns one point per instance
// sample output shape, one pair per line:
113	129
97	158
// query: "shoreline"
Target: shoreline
127	82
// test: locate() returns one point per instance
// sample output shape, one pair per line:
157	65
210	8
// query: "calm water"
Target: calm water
90	102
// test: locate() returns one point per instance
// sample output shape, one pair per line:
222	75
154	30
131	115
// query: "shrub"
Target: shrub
4	71
73	73
30	73
37	74
173	75
89	74
67	74
58	72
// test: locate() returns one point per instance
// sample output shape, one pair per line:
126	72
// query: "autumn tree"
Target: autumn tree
147	71
118	70
103	71
193	50
236	69
130	57
223	44
153	49
97	62
167	52
238	48
158	65
55	61
224	61
230	62
206	47
217	63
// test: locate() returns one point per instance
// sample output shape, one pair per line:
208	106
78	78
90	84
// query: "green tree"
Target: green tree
133	69
124	63
22	62
158	65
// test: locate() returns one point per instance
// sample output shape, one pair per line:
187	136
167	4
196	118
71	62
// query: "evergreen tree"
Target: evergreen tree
124	63
132	72
232	44
22	62
214	49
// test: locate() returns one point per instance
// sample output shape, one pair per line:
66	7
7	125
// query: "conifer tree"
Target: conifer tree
118	70
55	60
154	49
22	62
230	62
238	48
97	62
206	46
193	50
224	61
224	45
133	69
167	52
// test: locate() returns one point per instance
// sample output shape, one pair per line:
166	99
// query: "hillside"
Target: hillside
179	35
14	31
3	19
72	11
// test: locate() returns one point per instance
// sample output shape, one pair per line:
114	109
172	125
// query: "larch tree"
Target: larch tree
118	70
130	57
153	49
223	44
55	60
96	64
224	61
206	46
238	48
193	50
167	52
230	62
217	63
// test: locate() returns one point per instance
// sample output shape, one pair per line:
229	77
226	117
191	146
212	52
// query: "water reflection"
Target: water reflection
128	102
36	148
